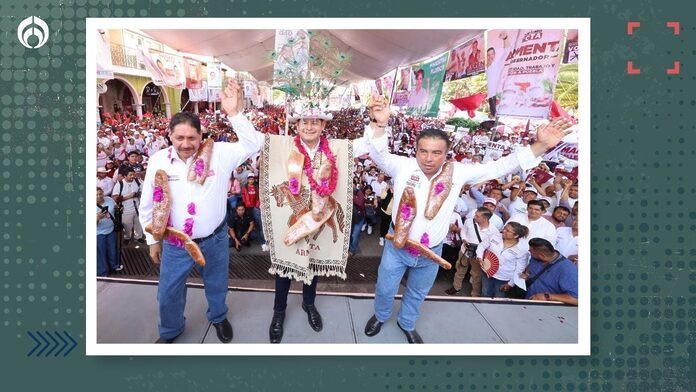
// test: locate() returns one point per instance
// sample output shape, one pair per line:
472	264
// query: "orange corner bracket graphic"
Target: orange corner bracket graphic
631	26
631	70
674	70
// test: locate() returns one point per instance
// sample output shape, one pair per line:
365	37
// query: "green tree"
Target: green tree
566	93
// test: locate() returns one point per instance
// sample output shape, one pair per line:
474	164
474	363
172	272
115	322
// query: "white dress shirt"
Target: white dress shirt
540	228
512	261
405	171
566	243
210	198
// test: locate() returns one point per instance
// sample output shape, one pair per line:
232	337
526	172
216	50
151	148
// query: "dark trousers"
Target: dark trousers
385	220
282	288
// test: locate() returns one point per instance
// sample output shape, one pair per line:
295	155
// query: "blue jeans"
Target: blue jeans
421	275
107	253
232	202
175	267
355	234
490	287
259	228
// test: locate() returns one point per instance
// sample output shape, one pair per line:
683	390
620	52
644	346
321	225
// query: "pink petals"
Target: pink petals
157	194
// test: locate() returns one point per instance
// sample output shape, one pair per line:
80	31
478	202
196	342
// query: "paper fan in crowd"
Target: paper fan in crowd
490	263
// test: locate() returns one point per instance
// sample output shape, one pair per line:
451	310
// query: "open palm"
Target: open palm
552	133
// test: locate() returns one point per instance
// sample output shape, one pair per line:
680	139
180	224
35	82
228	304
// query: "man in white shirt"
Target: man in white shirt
419	174
476	230
127	193
104	181
199	210
535	222
491	204
518	205
379	184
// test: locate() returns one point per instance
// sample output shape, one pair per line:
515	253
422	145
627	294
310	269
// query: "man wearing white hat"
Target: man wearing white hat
307	222
104	181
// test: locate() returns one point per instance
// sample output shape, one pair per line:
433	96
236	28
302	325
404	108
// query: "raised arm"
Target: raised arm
379	116
250	141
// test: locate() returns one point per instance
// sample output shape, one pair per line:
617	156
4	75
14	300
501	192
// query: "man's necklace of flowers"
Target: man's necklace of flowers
327	186
406	211
157	196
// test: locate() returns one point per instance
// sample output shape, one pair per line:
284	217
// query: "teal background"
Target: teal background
643	255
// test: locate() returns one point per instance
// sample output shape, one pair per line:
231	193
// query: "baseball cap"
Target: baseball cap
490	200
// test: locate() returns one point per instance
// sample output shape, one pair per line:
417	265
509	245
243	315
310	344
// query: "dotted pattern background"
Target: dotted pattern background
643	219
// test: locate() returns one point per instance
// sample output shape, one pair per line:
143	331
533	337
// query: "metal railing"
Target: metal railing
126	57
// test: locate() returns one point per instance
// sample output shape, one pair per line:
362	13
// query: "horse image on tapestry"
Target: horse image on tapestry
300	205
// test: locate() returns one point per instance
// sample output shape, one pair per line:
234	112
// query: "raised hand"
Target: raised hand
379	109
232	98
549	135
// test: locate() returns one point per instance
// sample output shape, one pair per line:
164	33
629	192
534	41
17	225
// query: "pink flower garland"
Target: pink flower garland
327	187
406	211
157	194
425	240
413	251
192	208
175	241
200	167
294	186
439	188
188	227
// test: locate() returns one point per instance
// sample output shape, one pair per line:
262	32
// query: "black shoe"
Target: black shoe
163	340
142	240
275	332
451	291
411	336
224	331
373	326
313	316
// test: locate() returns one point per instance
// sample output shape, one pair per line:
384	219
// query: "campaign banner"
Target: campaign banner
466	60
565	154
401	87
426	87
291	56
166	69
214	94
249	89
570	54
498	47
199	94
194	73
105	67
530	73
493	151
385	85
214	74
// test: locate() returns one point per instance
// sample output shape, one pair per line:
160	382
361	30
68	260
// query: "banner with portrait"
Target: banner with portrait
105	67
194	73
401	87
199	94
387	84
498	47
165	69
570	54
530	73
466	60
426	87
214	74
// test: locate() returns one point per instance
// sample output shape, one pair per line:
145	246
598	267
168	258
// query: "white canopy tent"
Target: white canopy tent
374	52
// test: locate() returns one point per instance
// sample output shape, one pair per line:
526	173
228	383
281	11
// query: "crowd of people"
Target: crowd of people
506	234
